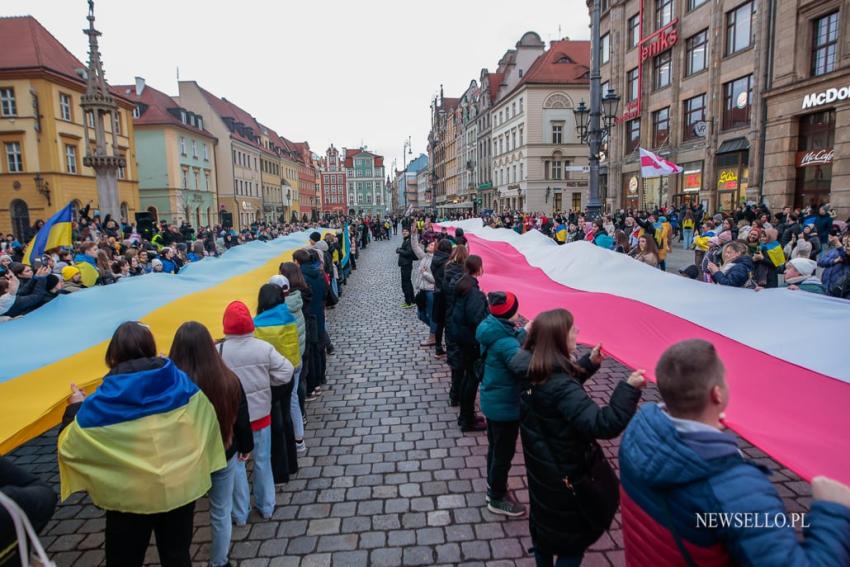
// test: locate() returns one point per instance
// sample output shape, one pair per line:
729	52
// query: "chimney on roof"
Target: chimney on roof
140	85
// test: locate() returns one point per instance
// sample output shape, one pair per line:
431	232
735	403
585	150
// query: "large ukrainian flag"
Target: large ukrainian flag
278	327
144	442
56	232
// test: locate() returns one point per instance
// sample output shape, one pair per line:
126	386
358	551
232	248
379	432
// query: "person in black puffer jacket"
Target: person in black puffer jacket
468	310
573	491
452	272
438	269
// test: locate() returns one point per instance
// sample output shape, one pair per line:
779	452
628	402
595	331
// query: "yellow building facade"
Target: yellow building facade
42	133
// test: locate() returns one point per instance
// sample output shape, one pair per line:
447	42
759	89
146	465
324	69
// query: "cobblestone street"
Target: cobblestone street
388	478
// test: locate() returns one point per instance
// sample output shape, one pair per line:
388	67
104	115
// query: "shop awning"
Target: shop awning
464	205
733	145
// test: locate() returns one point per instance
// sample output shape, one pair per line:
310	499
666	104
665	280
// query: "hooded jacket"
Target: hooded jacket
696	469
468	310
438	265
737	274
560	426
316	280
833	272
500	340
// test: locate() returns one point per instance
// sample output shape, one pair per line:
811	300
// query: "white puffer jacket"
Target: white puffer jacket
259	367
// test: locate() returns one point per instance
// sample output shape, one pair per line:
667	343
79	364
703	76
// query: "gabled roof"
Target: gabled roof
226	109
156	105
494	82
450	103
350	153
25	44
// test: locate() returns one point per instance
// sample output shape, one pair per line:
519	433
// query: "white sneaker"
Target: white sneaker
300	447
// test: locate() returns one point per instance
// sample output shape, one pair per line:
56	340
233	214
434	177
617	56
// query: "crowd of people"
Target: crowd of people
675	456
750	247
105	252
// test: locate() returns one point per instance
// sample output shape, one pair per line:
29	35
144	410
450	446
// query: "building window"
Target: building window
661	69
197	181
182	146
632	85
65	107
521	143
118	122
200	123
632	135
737	102
90	119
634	31
137	112
605	48
70	158
520	105
663	13
814	173
14	160
661	127
739	28
7	102
694	109
195	149
185	179
696	48
825	44
557	133
694	4
122	173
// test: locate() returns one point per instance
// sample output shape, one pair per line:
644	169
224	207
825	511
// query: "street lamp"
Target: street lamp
594	124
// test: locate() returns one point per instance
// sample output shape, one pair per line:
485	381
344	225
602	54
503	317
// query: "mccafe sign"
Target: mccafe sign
815	157
659	42
826	97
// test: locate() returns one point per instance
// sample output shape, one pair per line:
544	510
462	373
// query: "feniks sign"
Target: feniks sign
826	97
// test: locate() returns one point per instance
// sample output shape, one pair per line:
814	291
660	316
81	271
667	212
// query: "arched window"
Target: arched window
125	212
20	220
76	205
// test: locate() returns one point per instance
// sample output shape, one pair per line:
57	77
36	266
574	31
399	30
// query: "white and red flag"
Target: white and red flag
653	165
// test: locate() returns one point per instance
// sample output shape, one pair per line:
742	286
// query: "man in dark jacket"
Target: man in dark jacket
469	309
405	262
438	267
682	476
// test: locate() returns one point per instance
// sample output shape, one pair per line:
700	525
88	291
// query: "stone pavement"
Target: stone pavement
388	478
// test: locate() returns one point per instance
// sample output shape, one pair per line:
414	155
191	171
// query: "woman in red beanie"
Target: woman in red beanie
259	367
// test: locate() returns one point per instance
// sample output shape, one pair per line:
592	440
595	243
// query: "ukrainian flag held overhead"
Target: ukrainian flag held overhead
145	442
56	232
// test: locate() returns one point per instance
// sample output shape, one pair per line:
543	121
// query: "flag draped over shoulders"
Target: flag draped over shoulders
278	327
145	442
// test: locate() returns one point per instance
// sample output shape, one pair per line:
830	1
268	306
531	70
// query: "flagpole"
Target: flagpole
594	204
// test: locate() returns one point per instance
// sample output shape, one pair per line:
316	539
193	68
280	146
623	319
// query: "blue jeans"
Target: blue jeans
687	238
545	560
221	506
427	315
263	484
295	406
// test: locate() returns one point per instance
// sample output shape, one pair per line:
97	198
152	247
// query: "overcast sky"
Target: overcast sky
322	71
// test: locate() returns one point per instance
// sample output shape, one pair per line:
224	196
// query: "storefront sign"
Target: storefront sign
815	157
659	42
630	111
826	97
633	184
693	181
728	179
701	129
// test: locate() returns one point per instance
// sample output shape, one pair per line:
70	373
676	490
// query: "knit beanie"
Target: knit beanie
503	304
805	266
68	272
237	319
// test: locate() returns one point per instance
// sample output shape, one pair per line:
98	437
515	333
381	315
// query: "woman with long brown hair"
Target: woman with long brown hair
193	351
573	491
647	251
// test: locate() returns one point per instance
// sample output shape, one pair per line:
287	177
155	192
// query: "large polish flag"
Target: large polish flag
788	397
653	165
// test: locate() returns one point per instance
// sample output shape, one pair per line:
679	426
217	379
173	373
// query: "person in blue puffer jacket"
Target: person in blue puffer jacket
833	261
687	489
737	269
500	340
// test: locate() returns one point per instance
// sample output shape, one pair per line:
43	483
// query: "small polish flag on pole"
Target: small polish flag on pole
653	165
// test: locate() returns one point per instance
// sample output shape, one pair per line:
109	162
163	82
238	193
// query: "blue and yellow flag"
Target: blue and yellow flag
346	245
773	250
145	442
278	327
56	232
561	233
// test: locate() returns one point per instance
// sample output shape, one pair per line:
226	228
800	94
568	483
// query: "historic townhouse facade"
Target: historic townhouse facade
333	183
489	88
367	189
468	145
237	154
176	158
275	200
43	131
